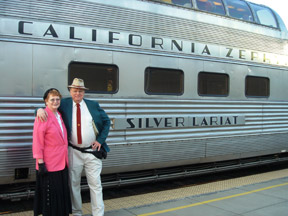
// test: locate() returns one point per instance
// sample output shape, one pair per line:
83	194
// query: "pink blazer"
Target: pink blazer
49	143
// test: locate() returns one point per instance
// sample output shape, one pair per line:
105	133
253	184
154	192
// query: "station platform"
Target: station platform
264	194
256	195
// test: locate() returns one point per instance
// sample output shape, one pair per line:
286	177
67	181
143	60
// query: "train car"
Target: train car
191	86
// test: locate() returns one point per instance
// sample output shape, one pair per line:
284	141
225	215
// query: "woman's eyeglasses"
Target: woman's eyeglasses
53	100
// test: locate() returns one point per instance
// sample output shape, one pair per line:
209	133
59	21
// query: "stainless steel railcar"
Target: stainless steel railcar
190	88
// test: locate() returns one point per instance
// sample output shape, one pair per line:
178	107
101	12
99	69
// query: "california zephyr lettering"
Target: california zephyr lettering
81	35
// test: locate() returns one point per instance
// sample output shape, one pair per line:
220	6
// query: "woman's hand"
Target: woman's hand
42	169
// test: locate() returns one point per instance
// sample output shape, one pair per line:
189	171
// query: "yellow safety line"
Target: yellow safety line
213	200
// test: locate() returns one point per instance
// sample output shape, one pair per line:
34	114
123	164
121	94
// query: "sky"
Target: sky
280	6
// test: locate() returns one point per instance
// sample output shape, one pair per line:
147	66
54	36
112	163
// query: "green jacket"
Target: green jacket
99	116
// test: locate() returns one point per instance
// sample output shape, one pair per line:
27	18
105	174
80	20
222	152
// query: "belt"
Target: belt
98	154
80	149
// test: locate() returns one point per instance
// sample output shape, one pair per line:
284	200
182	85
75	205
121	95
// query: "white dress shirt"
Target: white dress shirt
87	132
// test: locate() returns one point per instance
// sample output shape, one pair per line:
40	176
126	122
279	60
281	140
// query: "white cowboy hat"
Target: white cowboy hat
78	83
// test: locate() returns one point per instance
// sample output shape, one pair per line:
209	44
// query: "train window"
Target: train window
214	6
239	9
257	86
185	3
213	84
159	81
99	78
264	15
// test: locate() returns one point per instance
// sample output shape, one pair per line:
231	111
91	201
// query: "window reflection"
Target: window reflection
185	3
161	81
264	16
99	78
239	9
214	6
213	84
257	86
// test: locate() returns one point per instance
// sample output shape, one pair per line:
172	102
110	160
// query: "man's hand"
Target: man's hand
96	145
42	115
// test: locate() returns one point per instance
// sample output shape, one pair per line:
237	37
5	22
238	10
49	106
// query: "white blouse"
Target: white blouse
60	123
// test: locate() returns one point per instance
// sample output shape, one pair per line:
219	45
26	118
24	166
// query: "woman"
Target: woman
50	149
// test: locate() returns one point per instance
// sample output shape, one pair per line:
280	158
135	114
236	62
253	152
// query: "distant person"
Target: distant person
79	115
50	149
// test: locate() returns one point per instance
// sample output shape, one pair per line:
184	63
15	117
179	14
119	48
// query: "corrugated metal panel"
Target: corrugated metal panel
265	129
118	18
16	126
273	114
240	145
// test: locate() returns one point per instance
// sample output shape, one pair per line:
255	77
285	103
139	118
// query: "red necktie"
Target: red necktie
79	137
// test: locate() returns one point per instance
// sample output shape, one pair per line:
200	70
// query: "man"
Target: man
78	115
